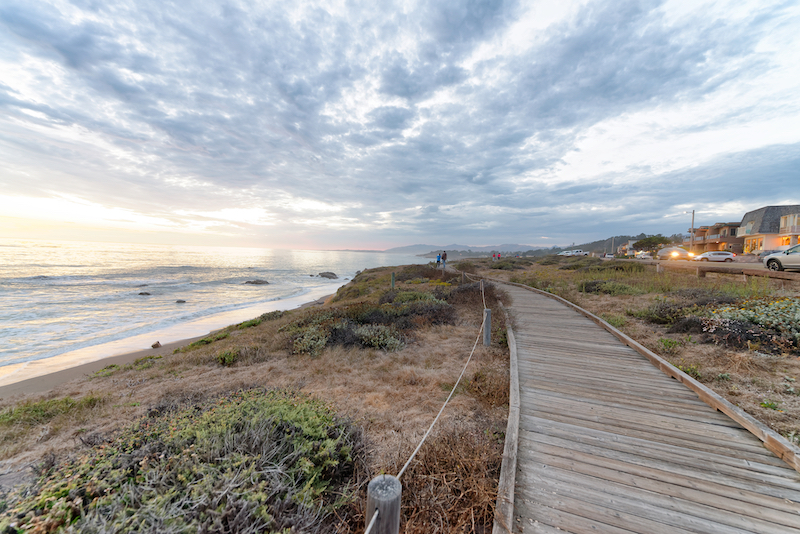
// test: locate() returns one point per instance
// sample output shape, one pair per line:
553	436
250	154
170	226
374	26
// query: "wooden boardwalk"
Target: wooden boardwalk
610	444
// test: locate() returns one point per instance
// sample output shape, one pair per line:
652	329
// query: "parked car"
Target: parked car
715	255
673	253
788	259
643	256
579	252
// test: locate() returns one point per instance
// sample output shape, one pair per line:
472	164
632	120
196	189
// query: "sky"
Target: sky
369	125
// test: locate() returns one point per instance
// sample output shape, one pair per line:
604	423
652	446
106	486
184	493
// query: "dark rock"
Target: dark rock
144	293
180	302
156	344
257	282
328	275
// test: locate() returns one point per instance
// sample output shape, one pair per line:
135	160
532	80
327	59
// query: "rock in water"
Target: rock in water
180	302
328	275
156	344
257	282
144	293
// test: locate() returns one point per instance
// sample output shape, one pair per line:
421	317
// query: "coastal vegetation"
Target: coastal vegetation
278	422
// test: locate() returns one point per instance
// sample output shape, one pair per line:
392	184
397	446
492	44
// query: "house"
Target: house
719	236
626	249
769	228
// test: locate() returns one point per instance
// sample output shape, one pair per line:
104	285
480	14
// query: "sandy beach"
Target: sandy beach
35	377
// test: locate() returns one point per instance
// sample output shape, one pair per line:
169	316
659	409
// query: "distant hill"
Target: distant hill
456	251
425	249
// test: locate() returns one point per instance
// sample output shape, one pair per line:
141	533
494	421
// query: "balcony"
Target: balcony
789	230
713	236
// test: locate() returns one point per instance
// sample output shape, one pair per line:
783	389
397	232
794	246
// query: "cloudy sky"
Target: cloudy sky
345	125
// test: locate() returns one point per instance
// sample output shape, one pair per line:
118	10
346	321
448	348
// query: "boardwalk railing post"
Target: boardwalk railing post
487	327
392	280
463	277
383	497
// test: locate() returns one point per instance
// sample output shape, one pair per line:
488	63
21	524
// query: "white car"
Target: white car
715	255
788	259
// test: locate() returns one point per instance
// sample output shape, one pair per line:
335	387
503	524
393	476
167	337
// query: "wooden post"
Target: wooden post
659	268
744	278
392	280
700	273
383	496
463	277
487	327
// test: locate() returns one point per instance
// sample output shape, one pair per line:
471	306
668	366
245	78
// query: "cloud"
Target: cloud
610	112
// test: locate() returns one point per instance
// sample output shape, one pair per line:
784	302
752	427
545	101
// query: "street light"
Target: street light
691	243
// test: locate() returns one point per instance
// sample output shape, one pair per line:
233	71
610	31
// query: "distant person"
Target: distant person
494	256
498	256
444	260
438	260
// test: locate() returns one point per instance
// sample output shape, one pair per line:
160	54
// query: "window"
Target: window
786	240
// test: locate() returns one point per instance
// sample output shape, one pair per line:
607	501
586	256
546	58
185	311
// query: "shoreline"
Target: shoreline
56	378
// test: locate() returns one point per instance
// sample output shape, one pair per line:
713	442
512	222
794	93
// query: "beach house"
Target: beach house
769	228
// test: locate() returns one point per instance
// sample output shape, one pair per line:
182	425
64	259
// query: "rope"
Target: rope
372	522
474	346
452	392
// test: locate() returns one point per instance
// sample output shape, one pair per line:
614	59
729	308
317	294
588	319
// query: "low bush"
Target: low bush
661	312
202	342
253	461
608	287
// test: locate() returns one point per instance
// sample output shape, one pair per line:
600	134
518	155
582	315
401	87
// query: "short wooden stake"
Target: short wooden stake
744	278
659	268
392	280
463	277
383	496
700	273
487	327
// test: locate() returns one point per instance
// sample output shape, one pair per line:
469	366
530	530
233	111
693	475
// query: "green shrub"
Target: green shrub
202	342
272	316
617	321
250	462
249	324
669	346
608	287
310	340
227	358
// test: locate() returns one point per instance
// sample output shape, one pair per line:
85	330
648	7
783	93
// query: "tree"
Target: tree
652	242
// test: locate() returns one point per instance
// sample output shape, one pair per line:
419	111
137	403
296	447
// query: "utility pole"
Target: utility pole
691	243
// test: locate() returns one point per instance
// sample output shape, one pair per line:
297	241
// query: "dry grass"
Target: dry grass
392	396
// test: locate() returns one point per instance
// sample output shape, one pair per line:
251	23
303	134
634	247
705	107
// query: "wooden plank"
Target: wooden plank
652	418
585	460
776	480
569	523
648	434
640	511
676	409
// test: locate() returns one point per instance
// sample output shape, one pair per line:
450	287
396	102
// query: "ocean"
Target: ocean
68	303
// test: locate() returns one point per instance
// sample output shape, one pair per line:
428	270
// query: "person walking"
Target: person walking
444	260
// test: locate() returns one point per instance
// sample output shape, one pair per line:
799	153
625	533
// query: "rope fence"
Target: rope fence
384	491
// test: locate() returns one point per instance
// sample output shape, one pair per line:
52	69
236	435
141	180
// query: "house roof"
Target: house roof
767	220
